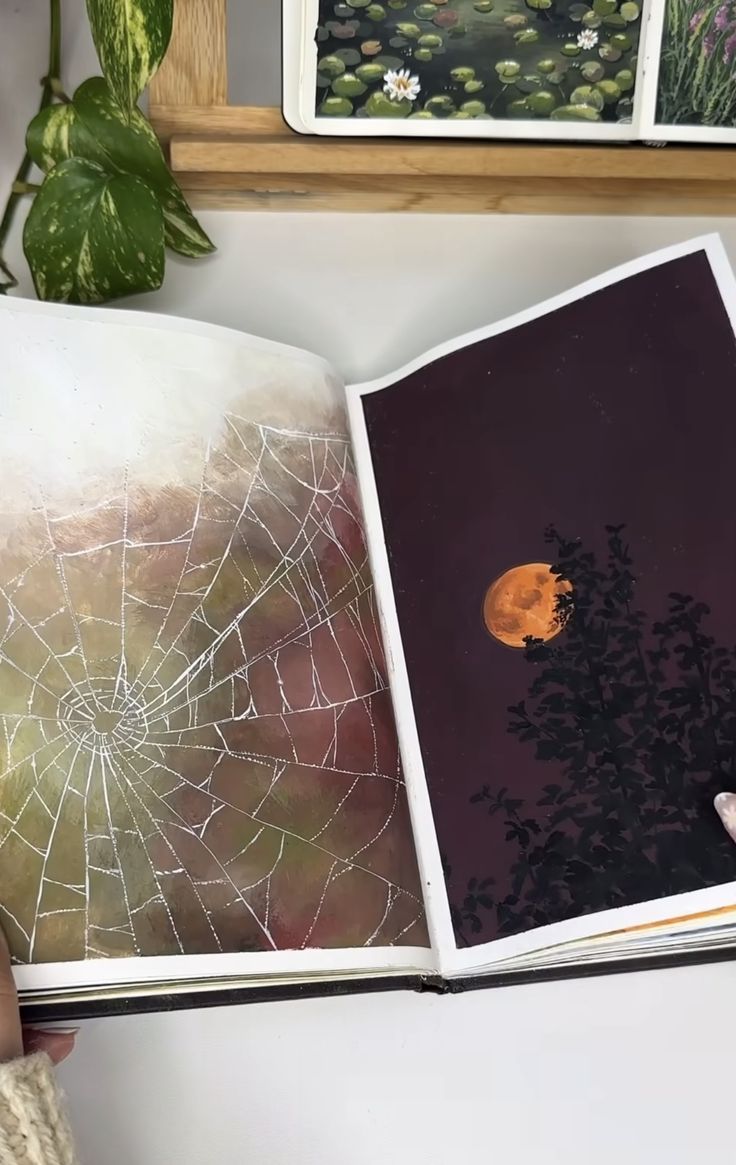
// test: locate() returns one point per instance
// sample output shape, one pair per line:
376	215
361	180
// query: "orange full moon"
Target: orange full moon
522	602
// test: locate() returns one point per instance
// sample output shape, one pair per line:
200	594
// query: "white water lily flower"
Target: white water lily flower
587	39
400	85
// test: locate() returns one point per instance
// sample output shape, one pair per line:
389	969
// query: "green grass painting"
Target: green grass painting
697	85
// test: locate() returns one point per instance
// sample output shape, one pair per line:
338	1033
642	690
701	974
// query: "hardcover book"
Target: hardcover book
311	686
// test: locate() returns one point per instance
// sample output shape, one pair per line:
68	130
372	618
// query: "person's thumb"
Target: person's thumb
11	1036
725	804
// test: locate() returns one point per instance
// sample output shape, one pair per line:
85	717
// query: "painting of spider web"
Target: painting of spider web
197	746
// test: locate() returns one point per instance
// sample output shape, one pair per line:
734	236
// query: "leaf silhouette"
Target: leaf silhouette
638	716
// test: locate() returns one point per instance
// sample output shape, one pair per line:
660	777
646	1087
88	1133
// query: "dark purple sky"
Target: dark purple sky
620	408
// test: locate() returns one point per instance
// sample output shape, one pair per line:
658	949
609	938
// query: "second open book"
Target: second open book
603	71
429	677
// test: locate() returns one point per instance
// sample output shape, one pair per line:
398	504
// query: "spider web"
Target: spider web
198	749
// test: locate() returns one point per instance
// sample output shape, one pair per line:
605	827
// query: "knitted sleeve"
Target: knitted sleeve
34	1129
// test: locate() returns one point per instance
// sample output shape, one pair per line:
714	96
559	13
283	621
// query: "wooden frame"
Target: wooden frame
245	156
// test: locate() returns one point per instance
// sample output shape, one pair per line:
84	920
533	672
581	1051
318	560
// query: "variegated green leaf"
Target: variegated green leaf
93	126
131	38
91	236
49	136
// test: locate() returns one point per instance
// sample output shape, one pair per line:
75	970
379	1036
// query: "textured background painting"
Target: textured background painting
198	752
575	771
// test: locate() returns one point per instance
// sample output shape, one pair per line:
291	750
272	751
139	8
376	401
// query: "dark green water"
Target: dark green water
556	60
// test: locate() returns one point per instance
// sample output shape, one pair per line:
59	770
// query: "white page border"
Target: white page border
292	64
454	960
436	905
115	317
150	969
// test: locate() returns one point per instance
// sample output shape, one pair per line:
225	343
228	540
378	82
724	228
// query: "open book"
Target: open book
430	679
596	71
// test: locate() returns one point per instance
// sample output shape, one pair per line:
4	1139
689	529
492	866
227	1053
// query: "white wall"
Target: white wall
254	52
633	1069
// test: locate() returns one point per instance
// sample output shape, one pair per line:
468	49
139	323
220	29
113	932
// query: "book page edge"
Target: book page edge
152	969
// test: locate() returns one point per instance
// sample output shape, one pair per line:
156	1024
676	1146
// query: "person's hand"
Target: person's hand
16	1040
11	1033
57	1044
725	804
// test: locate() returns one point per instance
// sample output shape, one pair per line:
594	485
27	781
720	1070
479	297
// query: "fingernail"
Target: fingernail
57	1044
725	805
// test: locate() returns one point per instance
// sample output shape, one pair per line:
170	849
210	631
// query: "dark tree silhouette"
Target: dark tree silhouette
640	720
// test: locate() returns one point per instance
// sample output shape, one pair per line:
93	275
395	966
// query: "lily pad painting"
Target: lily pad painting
542	60
198	750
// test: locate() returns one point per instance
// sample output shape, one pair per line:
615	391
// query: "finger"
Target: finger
725	804
11	1038
56	1044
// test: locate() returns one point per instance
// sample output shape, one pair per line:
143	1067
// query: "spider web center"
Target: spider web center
106	722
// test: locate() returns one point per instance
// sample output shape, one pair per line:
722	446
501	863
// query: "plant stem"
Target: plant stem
51	84
54	42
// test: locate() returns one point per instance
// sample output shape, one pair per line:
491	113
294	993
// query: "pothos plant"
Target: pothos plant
108	207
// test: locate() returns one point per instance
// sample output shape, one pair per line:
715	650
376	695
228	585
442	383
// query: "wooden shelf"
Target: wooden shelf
244	156
249	158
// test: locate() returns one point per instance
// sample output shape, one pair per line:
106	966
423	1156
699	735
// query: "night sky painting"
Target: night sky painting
576	716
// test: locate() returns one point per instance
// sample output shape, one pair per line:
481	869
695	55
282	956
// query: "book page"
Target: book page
465	69
198	751
549	511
